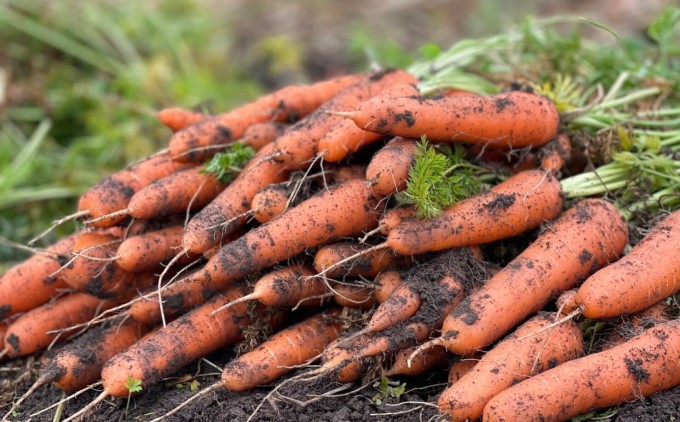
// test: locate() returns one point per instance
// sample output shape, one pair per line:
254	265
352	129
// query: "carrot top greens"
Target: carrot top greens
439	177
227	164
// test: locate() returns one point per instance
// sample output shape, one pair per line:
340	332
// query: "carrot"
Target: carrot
589	235
177	118
261	134
341	211
223	215
344	173
648	274
353	296
522	354
462	366
193	143
510	208
182	341
515	119
292	151
367	265
287	286
345	138
430	359
94	270
385	283
389	167
114	192
566	302
269	202
299	144
556	154
31	332
35	275
148	251
402	304
631	325
639	367
278	354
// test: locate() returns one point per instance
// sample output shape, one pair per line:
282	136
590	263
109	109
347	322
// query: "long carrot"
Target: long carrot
343	210
648	274
35	275
189	337
278	354
520	203
292	102
515	119
261	134
114	192
389	167
589	235
31	332
639	367
530	349
149	251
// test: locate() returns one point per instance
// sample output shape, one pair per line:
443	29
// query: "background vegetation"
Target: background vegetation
80	81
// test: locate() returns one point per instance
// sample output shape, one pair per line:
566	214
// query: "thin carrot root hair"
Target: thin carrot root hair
67	398
58	223
186	402
82	412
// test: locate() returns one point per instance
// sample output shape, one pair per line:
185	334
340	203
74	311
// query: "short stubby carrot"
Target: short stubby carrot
521	203
149	251
289	103
649	273
515	119
261	134
114	192
589	235
176	118
36	275
278	355
367	265
639	367
530	349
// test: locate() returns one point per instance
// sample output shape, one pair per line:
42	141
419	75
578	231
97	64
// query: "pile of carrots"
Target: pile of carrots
306	237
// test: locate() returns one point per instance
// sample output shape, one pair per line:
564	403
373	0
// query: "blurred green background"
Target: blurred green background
80	81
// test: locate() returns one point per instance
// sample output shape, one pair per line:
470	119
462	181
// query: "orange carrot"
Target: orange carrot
462	366
345	138
522	354
148	251
182	341
632	325
367	265
30	333
343	173
193	143
589	235
94	270
639	367
515	119
385	283
556	154
287	286
261	134
648	274
389	167
431	358
269	202
114	192
510	208
341	211
566	302
177	118
276	356
34	275
354	296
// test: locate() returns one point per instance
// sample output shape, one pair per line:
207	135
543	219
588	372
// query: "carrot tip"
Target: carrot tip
348	114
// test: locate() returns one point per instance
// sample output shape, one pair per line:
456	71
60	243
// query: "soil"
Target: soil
416	404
